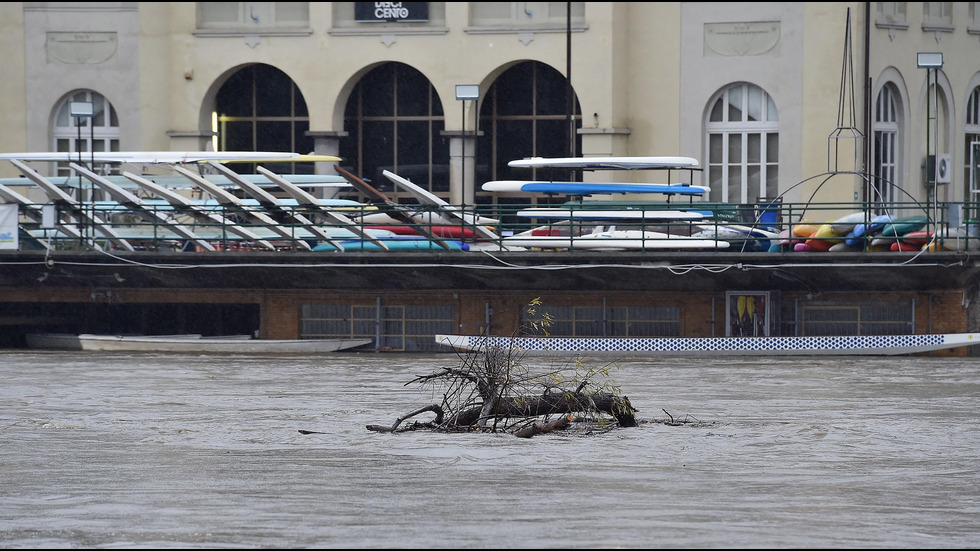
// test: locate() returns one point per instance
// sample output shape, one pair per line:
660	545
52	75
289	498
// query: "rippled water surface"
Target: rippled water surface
113	450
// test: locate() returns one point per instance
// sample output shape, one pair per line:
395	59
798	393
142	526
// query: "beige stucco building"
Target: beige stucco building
797	102
754	90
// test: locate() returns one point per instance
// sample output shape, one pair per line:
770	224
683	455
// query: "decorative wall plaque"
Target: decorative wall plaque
740	39
81	48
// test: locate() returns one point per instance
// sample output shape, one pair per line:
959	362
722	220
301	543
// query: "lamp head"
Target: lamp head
930	60
81	109
467	92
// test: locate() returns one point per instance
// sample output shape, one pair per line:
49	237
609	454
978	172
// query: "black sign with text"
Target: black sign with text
376	12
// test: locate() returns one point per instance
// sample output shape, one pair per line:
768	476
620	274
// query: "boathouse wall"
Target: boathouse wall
279	314
410	297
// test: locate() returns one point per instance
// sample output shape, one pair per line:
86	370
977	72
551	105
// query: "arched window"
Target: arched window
885	128
99	133
743	145
972	143
259	108
524	113
394	121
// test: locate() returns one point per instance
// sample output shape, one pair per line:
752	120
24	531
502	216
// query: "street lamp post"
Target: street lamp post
464	93
84	110
932	62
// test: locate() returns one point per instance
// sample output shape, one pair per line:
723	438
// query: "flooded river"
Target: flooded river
111	450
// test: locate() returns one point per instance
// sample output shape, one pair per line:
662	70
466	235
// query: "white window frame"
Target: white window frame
973	19
525	14
937	13
255	15
732	159
972	132
891	14
973	171
886	130
74	135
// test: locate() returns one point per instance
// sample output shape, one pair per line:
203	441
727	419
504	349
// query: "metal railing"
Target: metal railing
773	227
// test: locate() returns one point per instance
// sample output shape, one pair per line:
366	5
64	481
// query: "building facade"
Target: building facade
765	94
797	102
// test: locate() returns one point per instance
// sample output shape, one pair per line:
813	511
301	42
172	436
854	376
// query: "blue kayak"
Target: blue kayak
395	243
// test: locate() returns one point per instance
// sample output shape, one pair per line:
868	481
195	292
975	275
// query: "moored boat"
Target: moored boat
242	344
841	345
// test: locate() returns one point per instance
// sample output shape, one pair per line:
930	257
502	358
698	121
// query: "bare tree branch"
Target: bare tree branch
492	389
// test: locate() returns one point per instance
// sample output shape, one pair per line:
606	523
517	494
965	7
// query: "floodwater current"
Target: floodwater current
112	450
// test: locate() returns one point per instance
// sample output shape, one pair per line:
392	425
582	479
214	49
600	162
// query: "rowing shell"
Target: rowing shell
615	240
452	215
870	345
592	214
160	156
592	188
608	163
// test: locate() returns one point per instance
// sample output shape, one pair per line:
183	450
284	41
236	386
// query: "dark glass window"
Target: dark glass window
261	109
525	114
394	122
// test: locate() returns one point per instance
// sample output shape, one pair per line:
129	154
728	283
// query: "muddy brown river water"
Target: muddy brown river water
104	450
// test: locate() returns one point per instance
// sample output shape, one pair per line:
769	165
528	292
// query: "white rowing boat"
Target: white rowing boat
563	235
242	344
870	345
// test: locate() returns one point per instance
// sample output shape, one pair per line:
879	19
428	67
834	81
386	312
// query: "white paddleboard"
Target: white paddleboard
591	214
608	163
156	156
591	188
452	214
617	239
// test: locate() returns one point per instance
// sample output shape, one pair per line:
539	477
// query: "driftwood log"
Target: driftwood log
394	428
554	403
551	403
492	390
539	428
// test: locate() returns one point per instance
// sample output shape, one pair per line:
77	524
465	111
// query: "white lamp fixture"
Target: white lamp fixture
930	60
467	92
81	109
